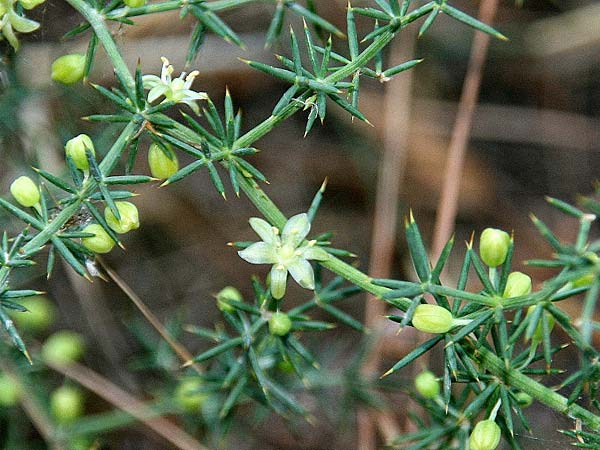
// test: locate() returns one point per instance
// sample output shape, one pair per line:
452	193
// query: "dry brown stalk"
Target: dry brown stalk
121	399
397	104
448	203
183	353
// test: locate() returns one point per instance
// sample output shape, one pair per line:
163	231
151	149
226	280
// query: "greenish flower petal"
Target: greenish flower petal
22	24
302	272
259	253
295	230
192	104
278	281
156	92
264	230
149	81
314	252
9	34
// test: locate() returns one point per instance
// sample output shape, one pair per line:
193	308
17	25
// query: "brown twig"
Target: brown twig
33	409
126	402
391	173
183	353
448	203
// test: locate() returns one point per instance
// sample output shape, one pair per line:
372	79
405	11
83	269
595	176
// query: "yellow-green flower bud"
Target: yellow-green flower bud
76	147
63	348
39	315
584	280
66	404
162	161
524	399
485	436
130	219
228	293
280	324
101	242
517	285
25	191
30	4
538	334
432	319
493	246
134	3
189	394
69	69
285	366
427	384
9	391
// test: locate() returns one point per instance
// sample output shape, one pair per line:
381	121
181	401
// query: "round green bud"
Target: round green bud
517	285
280	324
130	219
134	3
427	384
524	399
485	436
66	404
432	319
228	293
162	161
9	391
81	443
189	394
285	366
25	191
69	69
30	4
39	315
76	147
101	242
63	348
538	334
493	246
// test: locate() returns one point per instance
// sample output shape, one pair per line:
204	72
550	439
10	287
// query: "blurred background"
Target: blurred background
535	132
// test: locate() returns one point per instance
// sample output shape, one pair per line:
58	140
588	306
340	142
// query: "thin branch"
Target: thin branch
448	204
126	402
183	353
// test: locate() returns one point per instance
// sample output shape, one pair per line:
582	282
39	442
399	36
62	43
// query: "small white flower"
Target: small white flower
287	253
174	90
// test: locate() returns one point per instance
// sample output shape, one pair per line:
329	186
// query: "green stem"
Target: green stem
541	393
96	20
219	5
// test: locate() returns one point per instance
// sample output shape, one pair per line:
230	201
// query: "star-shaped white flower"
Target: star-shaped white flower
288	252
176	90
